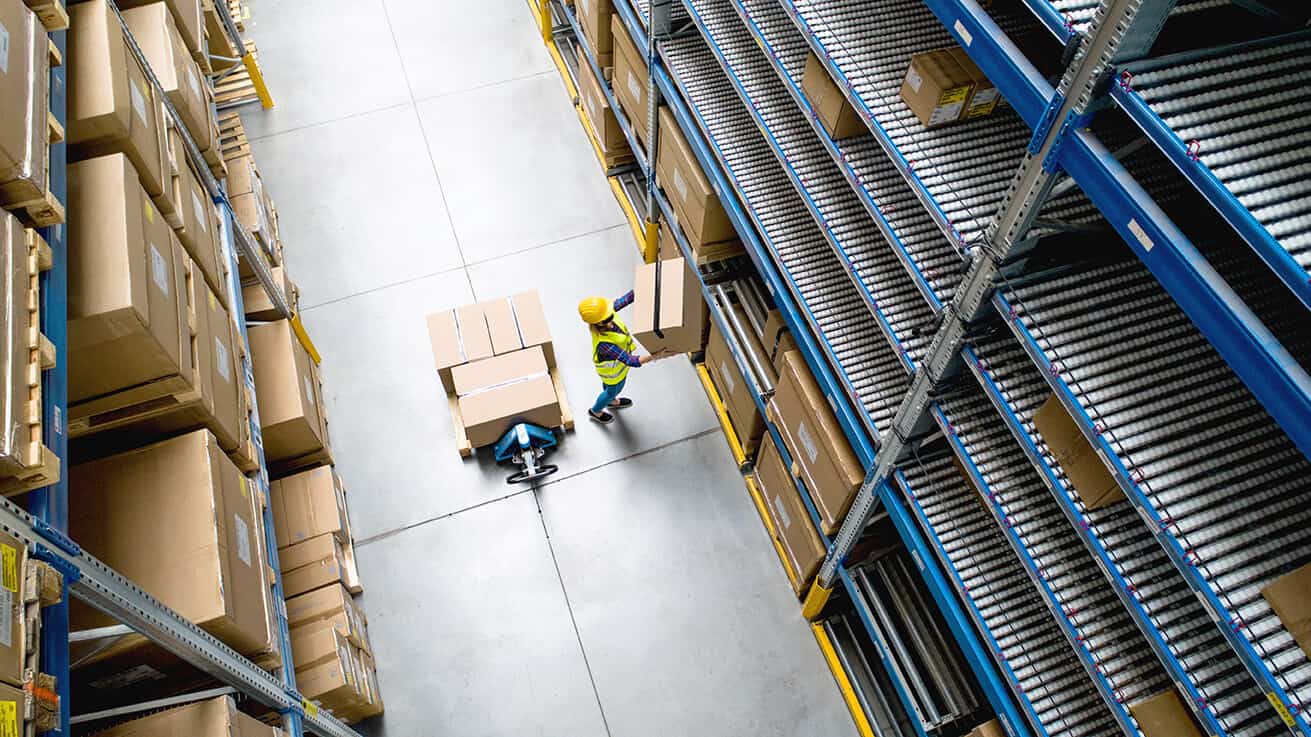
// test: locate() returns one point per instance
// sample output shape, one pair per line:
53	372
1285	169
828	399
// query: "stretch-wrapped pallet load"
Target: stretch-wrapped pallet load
25	127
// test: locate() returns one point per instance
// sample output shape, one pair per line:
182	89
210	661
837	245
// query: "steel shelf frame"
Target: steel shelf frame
779	283
1190	165
822	218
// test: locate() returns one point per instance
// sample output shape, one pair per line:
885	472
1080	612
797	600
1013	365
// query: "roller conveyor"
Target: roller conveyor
961	171
1236	120
1027	643
853	233
841	318
1173	616
1098	620
1188	440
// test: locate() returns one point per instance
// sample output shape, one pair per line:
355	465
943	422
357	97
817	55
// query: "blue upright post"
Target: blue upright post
50	505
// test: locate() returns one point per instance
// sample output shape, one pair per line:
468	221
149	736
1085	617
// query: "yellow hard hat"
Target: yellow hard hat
595	309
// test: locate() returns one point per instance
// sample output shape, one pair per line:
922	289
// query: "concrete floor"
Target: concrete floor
423	155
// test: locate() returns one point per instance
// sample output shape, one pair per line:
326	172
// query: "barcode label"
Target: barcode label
221	357
965	36
159	269
243	538
199	207
1140	234
914	79
634	86
807	442
729	384
138	101
680	185
4	49
784	519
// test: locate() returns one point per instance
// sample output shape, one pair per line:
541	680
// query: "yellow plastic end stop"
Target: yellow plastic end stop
257	79
651	243
304	338
816	598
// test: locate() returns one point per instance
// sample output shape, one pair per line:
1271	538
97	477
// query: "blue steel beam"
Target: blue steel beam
1271	251
1250	349
1052	20
50	505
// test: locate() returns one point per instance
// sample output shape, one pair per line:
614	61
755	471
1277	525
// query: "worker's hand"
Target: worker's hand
648	358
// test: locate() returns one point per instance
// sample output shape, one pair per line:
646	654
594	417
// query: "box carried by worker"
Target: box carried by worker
496	363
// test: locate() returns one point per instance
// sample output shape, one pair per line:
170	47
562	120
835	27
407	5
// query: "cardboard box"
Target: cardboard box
24	96
216	717
325	565
936	87
328	604
221	373
1081	462
259	308
157	34
597	107
332	684
16	360
736	392
831	107
518	322
1163	715
13	719
350	571
682	310
1290	598
13	563
111	104
306	505
594	16
368	677
457	337
985	95
288	393
316	643
990	728
696	207
629	78
201	556
777	339
127	314
497	392
818	446
803	549
198	232
187	19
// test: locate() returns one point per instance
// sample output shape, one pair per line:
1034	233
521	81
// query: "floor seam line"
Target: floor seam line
629	457
316	124
404	528
569	607
380	287
485	85
555	242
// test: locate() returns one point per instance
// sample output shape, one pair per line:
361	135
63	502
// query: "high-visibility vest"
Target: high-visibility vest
612	372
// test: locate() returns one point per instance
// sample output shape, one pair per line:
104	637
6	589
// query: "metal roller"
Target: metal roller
868	680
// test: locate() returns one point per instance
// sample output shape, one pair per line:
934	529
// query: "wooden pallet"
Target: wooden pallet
52	13
239	12
232	135
36	206
236	88
37	465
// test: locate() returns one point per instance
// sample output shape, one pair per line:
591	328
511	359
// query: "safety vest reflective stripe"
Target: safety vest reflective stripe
612	372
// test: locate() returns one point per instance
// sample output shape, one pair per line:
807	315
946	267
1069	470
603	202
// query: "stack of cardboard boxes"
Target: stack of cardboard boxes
216	717
330	646
496	362
26	129
26	586
251	201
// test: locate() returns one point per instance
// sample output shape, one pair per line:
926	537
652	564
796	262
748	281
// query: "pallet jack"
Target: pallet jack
525	445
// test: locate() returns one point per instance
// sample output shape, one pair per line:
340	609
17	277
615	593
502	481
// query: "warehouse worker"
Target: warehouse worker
612	352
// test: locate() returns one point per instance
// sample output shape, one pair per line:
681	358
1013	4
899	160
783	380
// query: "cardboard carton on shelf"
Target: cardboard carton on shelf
822	456
308	504
350	571
1162	715
13	593
990	728
596	106
197	223
629	78
288	392
316	643
24	96
13	716
594	16
217	42
187	20
329	604
985	96
200	558
696	207
250	204
682	311
777	339
802	546
1083	466
313	564
216	717
371	698
832	108
333	684
127	307
495	393
111	103
259	307
157	33
1290	598
735	390
936	87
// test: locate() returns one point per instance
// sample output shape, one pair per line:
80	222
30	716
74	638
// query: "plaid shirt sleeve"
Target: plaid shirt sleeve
612	352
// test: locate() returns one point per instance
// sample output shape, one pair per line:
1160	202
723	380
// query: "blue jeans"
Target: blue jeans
609	392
